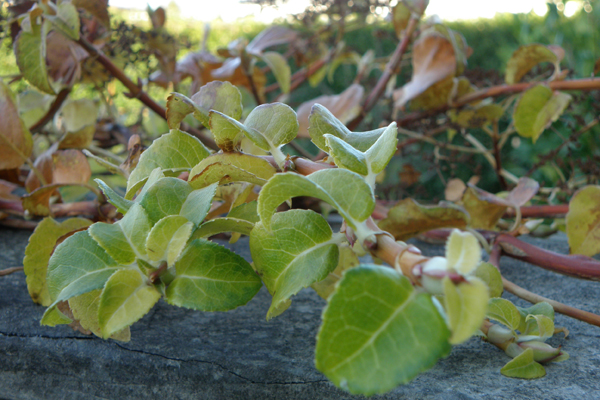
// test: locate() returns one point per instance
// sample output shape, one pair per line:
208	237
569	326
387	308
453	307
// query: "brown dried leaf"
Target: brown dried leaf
6	189
484	208
433	60
270	37
97	8
524	191
60	167
409	218
455	190
15	138
409	176
63	57
344	106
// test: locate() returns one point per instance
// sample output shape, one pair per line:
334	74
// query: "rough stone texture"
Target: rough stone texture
182	354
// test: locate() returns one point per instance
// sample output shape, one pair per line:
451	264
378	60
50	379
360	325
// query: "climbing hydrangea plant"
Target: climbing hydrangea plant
382	326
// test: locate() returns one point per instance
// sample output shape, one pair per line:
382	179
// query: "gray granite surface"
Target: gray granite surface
181	354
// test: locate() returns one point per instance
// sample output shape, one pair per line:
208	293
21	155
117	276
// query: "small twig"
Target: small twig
540	211
56	104
495	138
8	271
390	69
533	298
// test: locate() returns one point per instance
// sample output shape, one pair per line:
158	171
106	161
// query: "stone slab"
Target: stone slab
181	354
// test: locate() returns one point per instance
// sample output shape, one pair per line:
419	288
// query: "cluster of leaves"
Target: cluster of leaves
382	326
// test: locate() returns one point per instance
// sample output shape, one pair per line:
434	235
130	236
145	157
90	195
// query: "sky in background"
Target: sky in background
231	10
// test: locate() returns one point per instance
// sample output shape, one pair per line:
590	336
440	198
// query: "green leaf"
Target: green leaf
136	226
542	308
125	299
66	20
231	167
85	311
525	58
218	96
408	218
228	132
113	198
378	332
165	197
77	114
174	152
538	327
489	274
466	305
333	186
524	367
537	108
221	225
78	265
583	221
368	163
198	203
246	212
178	107
38	252
212	278
323	122
346	260
505	312
296	252
346	156
463	252
273	124
168	238
114	241
280	68
30	52
15	139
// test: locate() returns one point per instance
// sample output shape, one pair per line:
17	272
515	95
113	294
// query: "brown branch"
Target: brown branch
8	271
56	104
390	69
502	90
135	90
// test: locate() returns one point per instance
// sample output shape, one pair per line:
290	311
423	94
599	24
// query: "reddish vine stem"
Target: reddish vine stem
577	266
539	211
56	104
390	69
501	90
8	271
136	90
